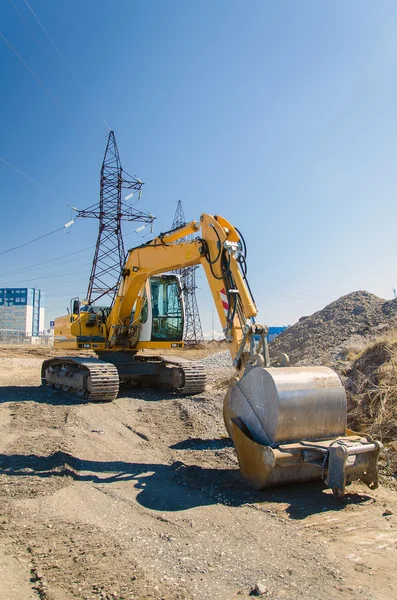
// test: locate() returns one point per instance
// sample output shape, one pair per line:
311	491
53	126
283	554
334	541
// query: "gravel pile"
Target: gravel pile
219	360
326	336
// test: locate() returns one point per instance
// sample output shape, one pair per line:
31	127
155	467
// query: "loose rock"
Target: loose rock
260	589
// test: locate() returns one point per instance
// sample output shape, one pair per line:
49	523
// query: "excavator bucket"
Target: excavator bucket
289	425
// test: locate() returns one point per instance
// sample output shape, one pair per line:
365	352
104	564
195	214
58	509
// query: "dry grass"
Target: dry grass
372	389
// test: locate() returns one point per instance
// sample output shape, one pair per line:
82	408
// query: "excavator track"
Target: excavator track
88	378
168	372
194	374
97	380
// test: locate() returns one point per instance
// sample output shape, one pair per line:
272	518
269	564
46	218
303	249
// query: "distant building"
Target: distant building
21	312
274	331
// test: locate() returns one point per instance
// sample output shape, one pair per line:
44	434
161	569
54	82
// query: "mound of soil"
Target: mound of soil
371	385
325	337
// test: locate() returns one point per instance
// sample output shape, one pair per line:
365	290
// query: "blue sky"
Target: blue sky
280	116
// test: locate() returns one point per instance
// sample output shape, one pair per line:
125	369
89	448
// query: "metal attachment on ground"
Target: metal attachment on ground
289	425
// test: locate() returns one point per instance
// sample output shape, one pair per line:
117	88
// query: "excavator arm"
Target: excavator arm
221	251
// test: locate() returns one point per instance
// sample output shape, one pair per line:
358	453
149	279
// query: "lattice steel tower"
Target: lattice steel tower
109	254
193	330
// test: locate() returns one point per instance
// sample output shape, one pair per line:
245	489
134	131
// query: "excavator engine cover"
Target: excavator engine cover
289	424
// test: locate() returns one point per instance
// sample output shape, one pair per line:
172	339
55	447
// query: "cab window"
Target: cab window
167	317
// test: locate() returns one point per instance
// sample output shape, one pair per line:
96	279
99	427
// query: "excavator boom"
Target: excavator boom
219	250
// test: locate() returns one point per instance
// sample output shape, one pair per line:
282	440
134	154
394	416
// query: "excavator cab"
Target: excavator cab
162	315
158	322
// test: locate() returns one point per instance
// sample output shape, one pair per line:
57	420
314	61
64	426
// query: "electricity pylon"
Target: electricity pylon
193	329
109	256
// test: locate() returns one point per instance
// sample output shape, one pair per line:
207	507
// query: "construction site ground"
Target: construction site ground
142	498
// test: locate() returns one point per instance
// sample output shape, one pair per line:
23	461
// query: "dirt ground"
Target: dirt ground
142	498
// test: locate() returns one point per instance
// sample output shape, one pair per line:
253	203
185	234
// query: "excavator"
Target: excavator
288	424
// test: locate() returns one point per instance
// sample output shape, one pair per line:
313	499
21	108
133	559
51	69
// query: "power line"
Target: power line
63	296
27	176
14	272
59	257
46	262
70	280
44	272
42	85
30	29
46	277
278	293
64	61
31	241
81	283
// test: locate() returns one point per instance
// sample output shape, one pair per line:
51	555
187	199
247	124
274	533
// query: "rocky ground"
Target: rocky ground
326	336
142	498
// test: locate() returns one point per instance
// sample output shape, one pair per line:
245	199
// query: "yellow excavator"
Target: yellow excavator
288	424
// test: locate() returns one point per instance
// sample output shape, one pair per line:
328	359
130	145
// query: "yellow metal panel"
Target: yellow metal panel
66	344
158	345
246	298
181	232
143	262
63	337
